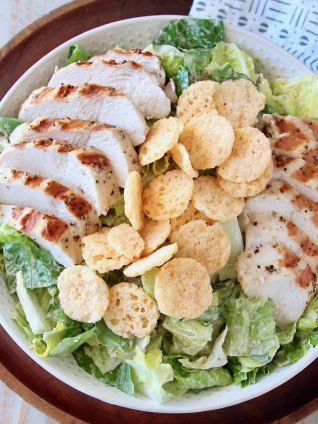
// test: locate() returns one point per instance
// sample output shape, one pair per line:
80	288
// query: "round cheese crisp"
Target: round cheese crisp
167	196
84	296
196	99
133	200
208	139
209	245
247	189
154	234
213	201
162	136
126	241
131	312
183	289
190	214
239	101
181	157
250	156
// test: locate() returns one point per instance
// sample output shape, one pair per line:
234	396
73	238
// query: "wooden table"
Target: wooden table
287	404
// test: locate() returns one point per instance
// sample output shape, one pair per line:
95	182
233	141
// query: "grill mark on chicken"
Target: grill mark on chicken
83	63
65	90
93	159
311	156
309	248
54	229
41	94
284	188
33	181
95	90
30	220
281	161
17	212
114	63
306	277
290	260
292	229
313	126
43	124
306	173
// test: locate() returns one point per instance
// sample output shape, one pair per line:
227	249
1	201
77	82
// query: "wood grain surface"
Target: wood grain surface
285	405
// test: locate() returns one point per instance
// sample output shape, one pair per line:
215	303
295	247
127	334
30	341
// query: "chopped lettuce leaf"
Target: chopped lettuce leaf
190	336
22	323
185	379
117	346
119	378
31	308
195	61
181	80
50	339
39	268
114	277
155	168
116	214
221	73
77	53
102	359
149	375
190	33
212	314
297	96
286	335
7	125
239	61
232	229
243	376
293	351
309	320
252	329
69	344
217	357
170	57
148	281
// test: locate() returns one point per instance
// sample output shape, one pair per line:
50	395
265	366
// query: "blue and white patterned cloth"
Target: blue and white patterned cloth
292	24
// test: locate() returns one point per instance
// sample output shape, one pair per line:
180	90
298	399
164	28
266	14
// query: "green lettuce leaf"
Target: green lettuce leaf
190	33
117	346
217	357
31	307
195	61
171	58
286	335
297	96
50	339
252	329
309	320
102	359
189	336
185	379
293	351
119	378
155	168
69	344
246	376
39	268
77	53
221	73
7	125
148	281
149	374
232	229
116	214
21	322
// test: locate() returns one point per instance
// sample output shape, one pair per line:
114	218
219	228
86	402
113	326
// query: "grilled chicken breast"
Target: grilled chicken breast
287	202
90	102
274	228
273	270
109	140
129	77
49	232
302	174
150	62
84	169
49	196
290	136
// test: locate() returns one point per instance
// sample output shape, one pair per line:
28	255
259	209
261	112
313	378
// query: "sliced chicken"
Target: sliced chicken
84	169
150	62
170	91
90	102
287	202
129	77
111	141
290	136
49	232
49	196
302	174
273	228
273	270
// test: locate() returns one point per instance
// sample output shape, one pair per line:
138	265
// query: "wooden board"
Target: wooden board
286	404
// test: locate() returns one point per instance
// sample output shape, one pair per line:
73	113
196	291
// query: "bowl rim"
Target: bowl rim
48	366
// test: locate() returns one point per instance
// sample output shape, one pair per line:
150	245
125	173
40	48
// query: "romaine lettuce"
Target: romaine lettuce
77	53
190	33
148	281
38	267
101	357
117	346
149	374
7	125
116	214
232	229
190	336
119	378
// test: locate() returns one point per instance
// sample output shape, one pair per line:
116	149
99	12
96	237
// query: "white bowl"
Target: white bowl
139	32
